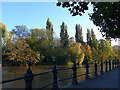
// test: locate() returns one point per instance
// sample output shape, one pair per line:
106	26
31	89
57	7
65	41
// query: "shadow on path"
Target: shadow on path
109	79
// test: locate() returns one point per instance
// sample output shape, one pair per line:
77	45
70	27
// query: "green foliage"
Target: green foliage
78	35
64	35
75	8
2	29
105	50
42	47
105	15
61	55
88	37
40	41
94	42
49	26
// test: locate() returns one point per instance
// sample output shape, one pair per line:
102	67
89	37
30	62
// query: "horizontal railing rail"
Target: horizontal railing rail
28	77
19	78
42	73
64	68
10	80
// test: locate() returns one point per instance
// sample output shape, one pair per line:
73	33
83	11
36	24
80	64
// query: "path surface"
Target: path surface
110	79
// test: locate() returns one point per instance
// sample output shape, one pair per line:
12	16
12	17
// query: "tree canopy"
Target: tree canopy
105	15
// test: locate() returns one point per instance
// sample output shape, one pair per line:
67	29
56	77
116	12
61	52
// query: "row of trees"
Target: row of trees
42	47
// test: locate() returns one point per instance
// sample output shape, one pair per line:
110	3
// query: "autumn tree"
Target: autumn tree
64	35
78	35
20	52
86	49
5	34
75	53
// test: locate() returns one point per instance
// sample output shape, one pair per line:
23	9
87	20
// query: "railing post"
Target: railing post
95	65
55	82
106	69
87	70
112	65
74	80
109	65
29	77
101	67
115	64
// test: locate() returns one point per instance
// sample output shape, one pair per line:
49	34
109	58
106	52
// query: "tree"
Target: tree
116	50
75	8
105	50
20	52
49	26
21	31
40	41
105	15
78	35
86	49
75	53
64	35
5	36
8	36
94	42
2	30
88	37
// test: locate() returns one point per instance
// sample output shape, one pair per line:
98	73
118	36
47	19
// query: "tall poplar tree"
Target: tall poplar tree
78	35
94	42
49	26
64	35
88	37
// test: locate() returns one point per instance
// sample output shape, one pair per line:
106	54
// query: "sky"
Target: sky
35	15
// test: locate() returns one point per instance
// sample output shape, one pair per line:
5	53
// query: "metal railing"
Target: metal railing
29	76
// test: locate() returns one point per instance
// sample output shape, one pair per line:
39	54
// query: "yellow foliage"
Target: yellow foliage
20	51
2	26
86	49
75	52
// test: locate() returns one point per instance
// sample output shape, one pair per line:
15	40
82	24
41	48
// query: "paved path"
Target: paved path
106	80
